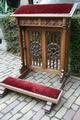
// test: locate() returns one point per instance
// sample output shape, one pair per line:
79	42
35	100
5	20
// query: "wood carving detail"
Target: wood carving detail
35	48
52	22
48	22
53	49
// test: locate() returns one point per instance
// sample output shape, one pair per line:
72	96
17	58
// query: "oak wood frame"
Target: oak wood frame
41	24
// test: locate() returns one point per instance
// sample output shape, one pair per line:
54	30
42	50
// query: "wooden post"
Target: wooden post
44	50
64	51
21	46
28	48
67	50
24	46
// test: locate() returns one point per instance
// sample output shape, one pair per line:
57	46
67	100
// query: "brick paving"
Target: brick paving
16	106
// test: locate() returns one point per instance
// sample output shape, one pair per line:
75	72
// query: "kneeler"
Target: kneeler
49	94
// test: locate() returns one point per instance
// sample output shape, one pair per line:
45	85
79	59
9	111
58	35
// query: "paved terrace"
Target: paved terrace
15	106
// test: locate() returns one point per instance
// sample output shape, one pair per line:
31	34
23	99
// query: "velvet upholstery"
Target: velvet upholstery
40	9
32	87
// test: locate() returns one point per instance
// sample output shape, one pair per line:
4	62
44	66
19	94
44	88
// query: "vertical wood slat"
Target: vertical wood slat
21	46
25	47
28	48
44	50
63	49
67	50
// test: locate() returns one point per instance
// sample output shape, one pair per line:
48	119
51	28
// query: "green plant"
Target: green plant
75	46
10	31
1	7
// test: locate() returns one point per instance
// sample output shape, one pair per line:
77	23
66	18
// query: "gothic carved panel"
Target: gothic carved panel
53	47
35	47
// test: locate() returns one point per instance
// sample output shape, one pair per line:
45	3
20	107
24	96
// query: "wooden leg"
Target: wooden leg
62	75
24	73
24	68
48	107
64	79
3	91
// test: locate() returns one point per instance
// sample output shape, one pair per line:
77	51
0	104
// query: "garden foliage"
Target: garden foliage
75	46
10	31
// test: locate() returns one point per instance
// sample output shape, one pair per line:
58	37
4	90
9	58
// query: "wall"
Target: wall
58	1
3	44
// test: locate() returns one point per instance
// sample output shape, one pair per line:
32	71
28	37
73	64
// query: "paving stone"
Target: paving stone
38	106
16	116
61	112
7	97
28	116
77	115
1	115
78	101
49	84
46	80
69	115
38	115
60	104
77	92
52	113
68	86
18	107
75	78
75	85
6	117
75	107
40	80
39	76
54	118
57	84
33	108
2	106
52	76
21	98
44	76
69	93
2	88
28	99
12	99
70	102
45	118
56	78
29	106
10	106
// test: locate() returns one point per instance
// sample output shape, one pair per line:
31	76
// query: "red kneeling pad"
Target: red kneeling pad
32	87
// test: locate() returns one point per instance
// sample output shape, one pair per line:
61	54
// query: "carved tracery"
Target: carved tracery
35	47
53	47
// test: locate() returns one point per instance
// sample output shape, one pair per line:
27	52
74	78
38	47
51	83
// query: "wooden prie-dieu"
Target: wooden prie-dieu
44	32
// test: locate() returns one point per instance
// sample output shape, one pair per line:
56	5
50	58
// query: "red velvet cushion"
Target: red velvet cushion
32	87
50	8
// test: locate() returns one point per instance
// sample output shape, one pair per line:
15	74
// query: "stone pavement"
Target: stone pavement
15	106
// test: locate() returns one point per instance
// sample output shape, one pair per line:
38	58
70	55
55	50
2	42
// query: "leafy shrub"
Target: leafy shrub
10	29
75	46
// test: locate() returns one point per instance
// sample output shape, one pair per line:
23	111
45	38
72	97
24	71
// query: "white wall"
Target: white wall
3	45
58	1
24	2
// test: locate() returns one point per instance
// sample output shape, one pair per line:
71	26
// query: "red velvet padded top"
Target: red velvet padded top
41	9
32	87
